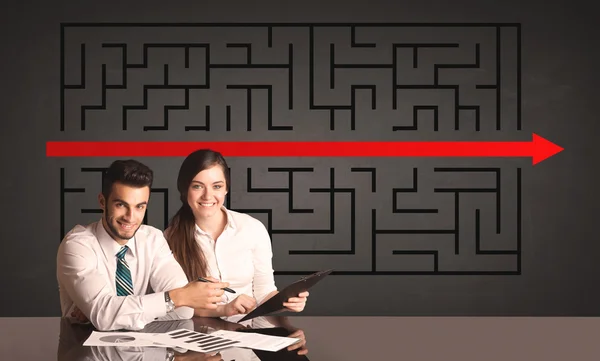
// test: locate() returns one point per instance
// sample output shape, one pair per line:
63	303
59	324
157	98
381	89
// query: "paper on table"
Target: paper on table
258	341
220	340
191	340
127	339
195	341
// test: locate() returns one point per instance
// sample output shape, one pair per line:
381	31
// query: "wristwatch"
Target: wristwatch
170	356
169	302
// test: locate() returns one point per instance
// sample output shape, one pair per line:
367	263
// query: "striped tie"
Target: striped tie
123	276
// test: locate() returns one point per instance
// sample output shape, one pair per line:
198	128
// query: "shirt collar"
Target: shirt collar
230	222
109	245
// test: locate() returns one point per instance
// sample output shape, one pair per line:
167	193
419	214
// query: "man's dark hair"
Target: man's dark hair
128	172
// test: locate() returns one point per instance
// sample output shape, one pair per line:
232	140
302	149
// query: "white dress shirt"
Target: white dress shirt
241	255
86	266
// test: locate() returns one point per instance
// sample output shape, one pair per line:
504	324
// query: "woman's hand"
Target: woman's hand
296	304
300	345
240	305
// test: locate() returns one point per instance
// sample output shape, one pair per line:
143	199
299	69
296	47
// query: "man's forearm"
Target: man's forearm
178	296
109	312
180	313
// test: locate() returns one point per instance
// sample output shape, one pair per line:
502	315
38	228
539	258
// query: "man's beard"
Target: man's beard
114	232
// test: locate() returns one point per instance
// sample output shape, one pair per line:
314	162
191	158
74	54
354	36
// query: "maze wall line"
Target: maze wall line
376	82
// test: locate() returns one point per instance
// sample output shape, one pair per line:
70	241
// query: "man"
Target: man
120	274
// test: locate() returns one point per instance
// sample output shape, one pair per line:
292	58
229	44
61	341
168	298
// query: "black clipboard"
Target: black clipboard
275	303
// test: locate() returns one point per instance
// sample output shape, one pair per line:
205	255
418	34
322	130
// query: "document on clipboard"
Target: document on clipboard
275	303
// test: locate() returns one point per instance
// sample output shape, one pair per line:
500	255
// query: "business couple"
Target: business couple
120	274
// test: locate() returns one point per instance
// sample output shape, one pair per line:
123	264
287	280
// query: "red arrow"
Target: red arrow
539	149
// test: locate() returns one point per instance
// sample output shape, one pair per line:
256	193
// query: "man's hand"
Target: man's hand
199	295
240	305
79	315
296	304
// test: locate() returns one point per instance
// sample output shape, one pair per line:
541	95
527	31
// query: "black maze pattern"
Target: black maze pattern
374	82
289	79
358	220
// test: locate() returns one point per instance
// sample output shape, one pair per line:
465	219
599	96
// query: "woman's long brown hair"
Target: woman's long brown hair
181	229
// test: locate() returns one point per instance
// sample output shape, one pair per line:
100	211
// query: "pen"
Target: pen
226	288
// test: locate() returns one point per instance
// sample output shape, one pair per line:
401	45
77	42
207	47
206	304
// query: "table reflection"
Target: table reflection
73	335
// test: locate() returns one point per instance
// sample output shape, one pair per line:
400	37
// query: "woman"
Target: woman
211	241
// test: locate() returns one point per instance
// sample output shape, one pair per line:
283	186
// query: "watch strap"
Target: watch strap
169	302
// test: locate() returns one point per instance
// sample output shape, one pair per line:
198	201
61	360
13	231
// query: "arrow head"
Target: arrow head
543	149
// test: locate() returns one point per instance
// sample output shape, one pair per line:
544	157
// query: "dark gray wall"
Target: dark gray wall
472	236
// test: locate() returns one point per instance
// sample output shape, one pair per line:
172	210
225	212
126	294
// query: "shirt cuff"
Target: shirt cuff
154	305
